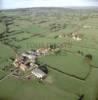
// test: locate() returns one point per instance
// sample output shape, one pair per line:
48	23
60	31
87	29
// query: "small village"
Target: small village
27	61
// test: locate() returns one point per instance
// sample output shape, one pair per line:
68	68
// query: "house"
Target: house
23	67
43	51
22	63
25	61
32	52
39	73
30	56
76	36
17	62
61	35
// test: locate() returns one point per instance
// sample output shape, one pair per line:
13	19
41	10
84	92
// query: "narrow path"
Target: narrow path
7	76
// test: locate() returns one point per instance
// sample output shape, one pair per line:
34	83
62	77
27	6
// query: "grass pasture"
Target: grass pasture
66	63
27	90
69	75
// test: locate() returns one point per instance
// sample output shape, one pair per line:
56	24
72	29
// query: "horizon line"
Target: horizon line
49	7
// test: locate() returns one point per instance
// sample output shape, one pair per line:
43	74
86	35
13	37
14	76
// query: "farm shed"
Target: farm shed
38	73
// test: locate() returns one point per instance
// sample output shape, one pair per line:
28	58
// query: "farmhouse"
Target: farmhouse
29	56
27	61
23	63
61	35
76	36
23	67
43	51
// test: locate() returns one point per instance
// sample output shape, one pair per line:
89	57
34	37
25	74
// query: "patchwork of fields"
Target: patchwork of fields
70	76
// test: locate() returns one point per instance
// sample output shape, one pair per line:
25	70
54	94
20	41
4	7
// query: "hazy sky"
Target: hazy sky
8	4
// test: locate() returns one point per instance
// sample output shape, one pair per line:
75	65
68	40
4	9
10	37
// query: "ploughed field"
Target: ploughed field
70	77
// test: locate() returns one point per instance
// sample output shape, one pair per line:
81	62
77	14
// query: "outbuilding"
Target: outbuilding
39	73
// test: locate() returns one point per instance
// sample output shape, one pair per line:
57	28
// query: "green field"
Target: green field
66	63
70	76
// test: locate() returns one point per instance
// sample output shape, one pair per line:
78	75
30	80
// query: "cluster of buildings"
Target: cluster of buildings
27	61
76	36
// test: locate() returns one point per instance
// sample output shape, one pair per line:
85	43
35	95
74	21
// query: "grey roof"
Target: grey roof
38	73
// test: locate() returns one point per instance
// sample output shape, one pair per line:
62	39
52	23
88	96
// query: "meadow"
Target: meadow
70	77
